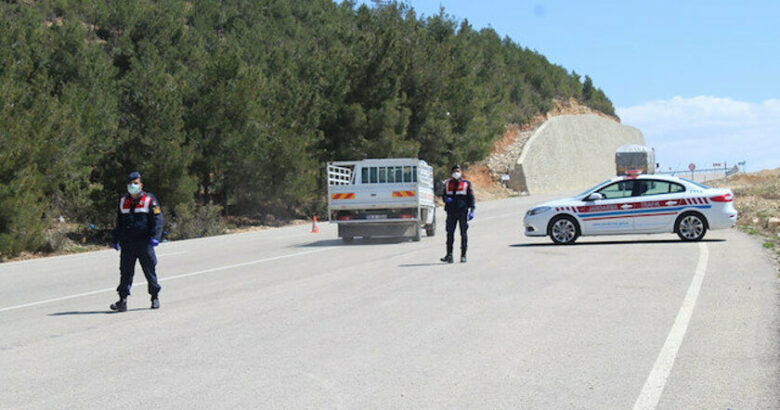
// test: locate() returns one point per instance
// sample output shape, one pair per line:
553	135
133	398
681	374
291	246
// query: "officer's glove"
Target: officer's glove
115	246
448	199
154	242
471	214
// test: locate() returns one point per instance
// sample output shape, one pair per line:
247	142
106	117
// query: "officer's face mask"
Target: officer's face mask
456	175
133	188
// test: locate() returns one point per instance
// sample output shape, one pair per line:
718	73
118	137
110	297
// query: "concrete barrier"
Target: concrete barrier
569	153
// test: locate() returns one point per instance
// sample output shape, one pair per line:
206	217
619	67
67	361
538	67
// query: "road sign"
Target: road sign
716	164
691	166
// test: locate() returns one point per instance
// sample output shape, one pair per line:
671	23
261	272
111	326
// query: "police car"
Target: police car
636	204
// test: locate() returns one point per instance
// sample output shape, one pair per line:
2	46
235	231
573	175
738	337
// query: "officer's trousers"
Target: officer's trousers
461	218
144	253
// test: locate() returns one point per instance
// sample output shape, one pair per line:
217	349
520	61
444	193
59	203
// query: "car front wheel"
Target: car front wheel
563	230
691	227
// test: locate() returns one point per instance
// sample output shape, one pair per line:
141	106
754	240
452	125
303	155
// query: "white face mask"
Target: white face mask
456	175
133	189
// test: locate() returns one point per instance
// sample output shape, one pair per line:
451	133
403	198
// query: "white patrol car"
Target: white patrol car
640	204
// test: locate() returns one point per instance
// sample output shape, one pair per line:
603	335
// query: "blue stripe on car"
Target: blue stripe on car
642	211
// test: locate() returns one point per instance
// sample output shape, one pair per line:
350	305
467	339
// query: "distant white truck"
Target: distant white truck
381	198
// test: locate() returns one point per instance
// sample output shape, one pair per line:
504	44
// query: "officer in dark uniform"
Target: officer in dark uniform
139	224
459	203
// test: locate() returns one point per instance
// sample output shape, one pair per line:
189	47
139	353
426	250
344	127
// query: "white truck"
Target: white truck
381	198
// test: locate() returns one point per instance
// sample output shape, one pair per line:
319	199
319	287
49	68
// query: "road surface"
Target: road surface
287	319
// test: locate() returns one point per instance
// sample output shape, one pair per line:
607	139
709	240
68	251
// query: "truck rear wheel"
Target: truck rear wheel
430	230
417	233
347	239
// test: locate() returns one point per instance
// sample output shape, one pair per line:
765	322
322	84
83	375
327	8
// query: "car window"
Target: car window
620	189
591	188
653	187
676	187
702	186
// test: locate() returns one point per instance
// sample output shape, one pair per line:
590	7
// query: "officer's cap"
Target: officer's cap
454	167
133	176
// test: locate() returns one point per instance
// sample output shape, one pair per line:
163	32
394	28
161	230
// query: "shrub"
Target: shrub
196	222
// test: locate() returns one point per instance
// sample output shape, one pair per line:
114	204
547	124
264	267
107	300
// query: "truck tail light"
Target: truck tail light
406	216
346	218
722	198
633	173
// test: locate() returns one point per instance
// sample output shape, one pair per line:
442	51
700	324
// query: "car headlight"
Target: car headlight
538	210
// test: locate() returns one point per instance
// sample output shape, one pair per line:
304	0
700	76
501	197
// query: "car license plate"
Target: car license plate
376	216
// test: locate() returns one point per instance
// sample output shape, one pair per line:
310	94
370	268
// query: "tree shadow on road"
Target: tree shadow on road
637	242
417	265
94	312
355	242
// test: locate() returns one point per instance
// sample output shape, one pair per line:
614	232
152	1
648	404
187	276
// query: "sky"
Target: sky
700	79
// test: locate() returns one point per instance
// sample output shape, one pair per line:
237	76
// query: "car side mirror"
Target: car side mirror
594	196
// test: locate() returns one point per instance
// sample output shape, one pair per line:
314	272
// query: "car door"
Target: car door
659	204
612	214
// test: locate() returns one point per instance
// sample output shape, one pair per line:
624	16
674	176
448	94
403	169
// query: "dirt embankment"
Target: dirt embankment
757	199
486	174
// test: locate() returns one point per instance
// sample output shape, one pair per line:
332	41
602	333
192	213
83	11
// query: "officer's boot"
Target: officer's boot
463	256
447	258
120	305
155	302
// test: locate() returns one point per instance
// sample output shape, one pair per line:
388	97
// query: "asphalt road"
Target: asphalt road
289	319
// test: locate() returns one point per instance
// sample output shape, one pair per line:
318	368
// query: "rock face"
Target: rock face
773	223
570	153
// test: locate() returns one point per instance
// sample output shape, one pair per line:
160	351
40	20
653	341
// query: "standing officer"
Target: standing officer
139	224
459	204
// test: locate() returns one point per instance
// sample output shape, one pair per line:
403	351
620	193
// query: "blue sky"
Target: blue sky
701	79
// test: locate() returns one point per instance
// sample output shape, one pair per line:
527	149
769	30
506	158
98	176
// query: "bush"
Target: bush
196	221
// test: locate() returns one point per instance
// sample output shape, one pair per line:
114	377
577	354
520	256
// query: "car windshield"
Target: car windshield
587	191
696	183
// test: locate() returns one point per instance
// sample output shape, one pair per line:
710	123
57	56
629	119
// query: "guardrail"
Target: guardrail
702	175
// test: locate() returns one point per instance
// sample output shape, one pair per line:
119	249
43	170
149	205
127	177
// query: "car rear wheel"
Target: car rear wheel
691	227
563	230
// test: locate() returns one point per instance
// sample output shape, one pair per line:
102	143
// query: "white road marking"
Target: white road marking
102	253
656	381
184	275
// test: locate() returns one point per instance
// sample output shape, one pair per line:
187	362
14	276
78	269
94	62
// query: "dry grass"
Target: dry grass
757	198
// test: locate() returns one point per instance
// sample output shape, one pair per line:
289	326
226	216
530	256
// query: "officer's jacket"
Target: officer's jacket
461	193
139	219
